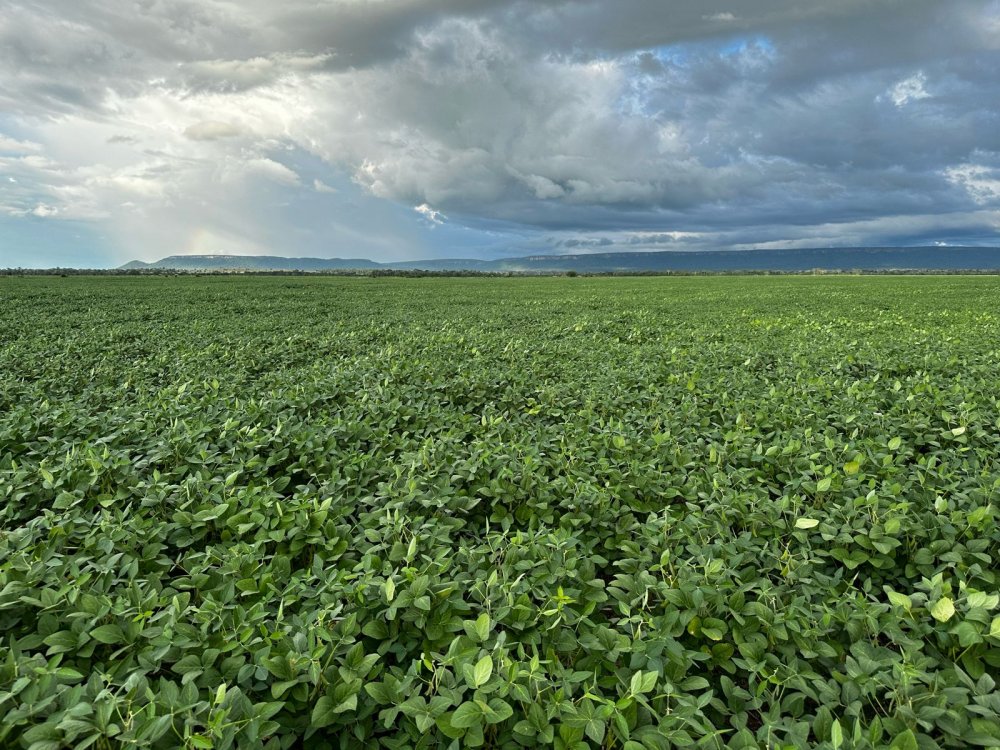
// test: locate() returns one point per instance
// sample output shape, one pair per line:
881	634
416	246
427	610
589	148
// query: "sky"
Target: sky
409	129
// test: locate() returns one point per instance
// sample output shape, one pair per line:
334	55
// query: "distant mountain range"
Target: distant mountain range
804	259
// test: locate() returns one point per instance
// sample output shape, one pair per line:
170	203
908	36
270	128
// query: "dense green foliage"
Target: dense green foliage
580	513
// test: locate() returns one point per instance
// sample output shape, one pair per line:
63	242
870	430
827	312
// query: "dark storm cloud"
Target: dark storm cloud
645	122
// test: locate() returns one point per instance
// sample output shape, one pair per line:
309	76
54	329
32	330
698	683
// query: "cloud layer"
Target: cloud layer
404	128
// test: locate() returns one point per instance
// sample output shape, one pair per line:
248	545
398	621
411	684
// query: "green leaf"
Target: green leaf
904	741
376	629
967	634
596	729
689	684
153	730
899	600
60	642
350	703
806	523
109	634
852	467
995	627
499	711
836	734
323	713
824	484
980	599
423	722
65	501
895	443
943	609
389	588
483	671
642	682
467	715
278	689
483	626
380	692
524	729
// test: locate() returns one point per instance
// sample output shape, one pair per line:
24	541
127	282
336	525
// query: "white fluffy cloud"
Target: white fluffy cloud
14	146
909	90
432	216
981	182
211	130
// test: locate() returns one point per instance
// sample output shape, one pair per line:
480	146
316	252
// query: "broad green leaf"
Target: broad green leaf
483	671
483	626
943	609
350	703
806	523
109	634
693	683
824	484
899	600
836	734
595	729
642	682
980	599
379	692
323	713
497	711
905	740
968	634
467	715
424	722
60	642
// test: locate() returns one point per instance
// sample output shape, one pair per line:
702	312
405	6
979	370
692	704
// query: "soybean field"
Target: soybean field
619	513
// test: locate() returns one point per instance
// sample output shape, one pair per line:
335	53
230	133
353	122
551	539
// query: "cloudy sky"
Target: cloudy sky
403	129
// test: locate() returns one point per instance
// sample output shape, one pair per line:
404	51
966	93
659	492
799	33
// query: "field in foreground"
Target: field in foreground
580	513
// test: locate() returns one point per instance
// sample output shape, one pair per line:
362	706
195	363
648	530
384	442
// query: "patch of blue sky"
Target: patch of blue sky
741	45
685	53
46	242
635	100
10	128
